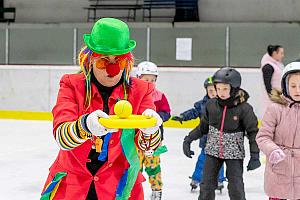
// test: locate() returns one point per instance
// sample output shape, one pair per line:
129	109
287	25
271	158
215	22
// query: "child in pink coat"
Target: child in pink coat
279	138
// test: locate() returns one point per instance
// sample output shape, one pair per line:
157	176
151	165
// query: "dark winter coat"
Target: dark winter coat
193	113
226	122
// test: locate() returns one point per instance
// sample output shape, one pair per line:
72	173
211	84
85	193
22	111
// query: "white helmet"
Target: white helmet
289	68
147	67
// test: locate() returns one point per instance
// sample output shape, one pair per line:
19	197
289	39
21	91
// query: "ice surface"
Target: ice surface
27	149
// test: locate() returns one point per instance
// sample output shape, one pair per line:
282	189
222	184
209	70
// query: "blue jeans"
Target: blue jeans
197	175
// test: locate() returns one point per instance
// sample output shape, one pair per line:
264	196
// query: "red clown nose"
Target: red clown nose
113	69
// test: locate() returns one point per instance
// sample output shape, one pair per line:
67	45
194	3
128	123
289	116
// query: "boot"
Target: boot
220	186
156	195
194	184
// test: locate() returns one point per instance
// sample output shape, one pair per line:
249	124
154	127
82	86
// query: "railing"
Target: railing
9	14
133	5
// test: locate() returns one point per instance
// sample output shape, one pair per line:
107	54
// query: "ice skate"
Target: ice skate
194	184
156	195
220	187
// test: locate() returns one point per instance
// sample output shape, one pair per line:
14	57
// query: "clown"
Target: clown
91	163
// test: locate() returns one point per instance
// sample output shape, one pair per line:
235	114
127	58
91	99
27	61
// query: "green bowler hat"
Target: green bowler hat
109	36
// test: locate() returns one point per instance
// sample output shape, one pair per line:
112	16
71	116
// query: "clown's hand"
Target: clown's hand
94	126
153	129
149	152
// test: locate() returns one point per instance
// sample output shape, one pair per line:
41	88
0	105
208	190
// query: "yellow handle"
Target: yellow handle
133	121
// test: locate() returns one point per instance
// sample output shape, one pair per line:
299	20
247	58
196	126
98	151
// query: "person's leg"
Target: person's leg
154	172
234	174
209	181
197	175
221	178
141	159
221	175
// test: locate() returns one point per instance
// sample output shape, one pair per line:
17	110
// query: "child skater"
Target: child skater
226	120
279	138
197	111
148	72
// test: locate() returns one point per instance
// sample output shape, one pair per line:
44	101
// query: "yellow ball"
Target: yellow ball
123	109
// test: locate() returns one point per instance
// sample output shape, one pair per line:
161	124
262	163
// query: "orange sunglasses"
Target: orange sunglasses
101	61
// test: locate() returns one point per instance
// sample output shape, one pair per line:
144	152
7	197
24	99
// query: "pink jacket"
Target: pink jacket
161	102
280	128
276	78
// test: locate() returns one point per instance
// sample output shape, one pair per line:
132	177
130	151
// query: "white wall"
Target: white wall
183	87
31	88
55	11
34	88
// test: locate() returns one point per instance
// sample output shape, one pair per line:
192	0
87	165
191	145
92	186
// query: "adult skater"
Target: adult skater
271	67
91	164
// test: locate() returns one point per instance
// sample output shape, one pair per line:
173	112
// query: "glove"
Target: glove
276	156
178	118
152	113
254	162
94	126
187	147
149	152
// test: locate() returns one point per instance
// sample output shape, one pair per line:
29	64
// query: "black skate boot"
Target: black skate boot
194	185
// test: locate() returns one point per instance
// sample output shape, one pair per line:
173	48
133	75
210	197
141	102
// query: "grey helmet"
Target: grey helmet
229	76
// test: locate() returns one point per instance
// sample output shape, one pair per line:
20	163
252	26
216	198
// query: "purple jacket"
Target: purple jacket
280	128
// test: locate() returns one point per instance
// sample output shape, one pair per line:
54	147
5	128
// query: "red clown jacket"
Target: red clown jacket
69	107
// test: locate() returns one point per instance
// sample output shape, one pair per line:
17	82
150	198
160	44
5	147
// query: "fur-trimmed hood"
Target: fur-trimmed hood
240	97
276	96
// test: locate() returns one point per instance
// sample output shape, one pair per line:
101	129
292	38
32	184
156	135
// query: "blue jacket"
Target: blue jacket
197	111
194	113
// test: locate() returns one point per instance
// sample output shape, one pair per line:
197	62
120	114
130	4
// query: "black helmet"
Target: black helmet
228	75
208	82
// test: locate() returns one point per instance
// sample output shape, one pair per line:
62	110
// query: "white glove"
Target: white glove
277	156
94	126
149	152
152	113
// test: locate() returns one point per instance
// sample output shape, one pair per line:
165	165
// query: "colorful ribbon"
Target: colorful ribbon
52	187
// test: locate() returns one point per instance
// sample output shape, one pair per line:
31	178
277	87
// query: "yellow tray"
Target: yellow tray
133	121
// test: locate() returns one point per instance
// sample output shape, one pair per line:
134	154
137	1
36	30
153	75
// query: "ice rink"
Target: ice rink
27	150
